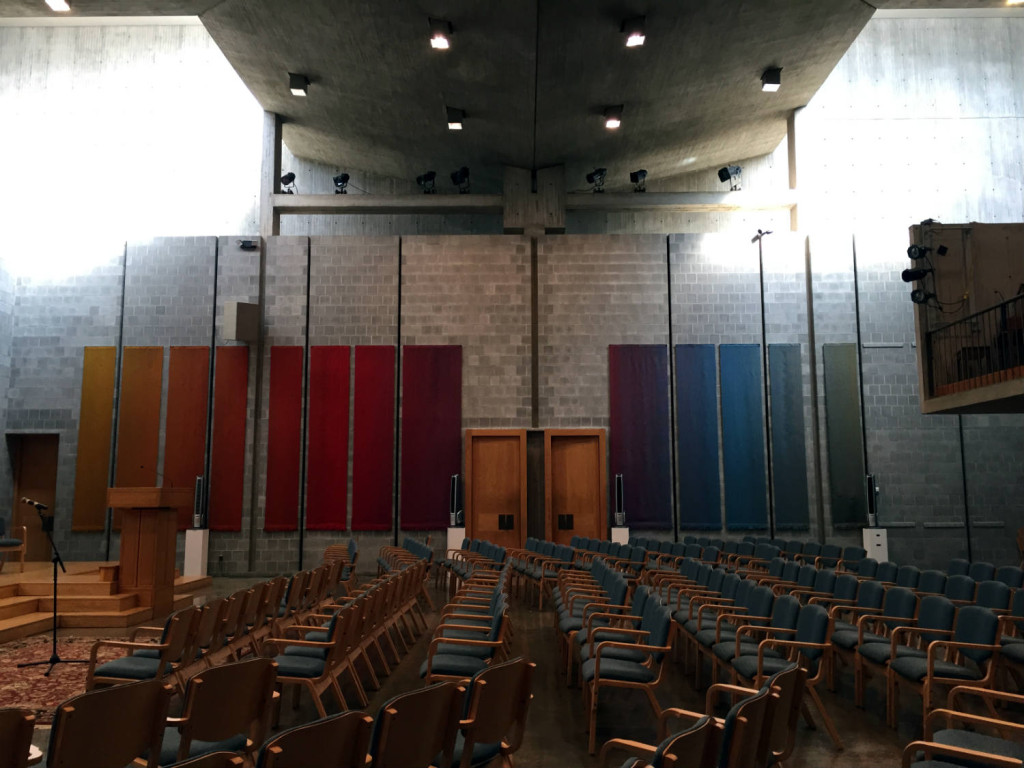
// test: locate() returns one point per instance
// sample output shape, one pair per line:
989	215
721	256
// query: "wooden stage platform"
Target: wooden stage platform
88	596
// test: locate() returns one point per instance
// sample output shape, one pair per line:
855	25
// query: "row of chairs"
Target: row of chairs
392	558
460	564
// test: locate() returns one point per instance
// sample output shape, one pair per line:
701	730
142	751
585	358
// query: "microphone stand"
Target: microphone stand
55	659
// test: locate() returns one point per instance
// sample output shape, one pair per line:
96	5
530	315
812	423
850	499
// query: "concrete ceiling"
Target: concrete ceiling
532	77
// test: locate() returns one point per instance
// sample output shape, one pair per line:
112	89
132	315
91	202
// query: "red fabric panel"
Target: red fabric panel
188	382
284	439
327	451
227	460
373	441
431	433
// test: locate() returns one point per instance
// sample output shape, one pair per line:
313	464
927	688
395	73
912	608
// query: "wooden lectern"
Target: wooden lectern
149	525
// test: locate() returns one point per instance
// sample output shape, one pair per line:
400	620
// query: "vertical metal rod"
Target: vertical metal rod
204	506
812	351
398	402
674	474
118	360
764	380
305	409
860	361
963	475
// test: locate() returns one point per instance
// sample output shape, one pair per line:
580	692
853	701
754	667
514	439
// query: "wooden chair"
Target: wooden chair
13	544
146	661
339	741
695	747
209	636
499	698
225	709
211	760
16	737
110	727
416	729
995	735
872	647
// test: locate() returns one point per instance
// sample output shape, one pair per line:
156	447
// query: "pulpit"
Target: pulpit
149	524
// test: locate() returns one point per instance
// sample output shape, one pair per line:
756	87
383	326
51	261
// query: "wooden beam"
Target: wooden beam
386	204
682	202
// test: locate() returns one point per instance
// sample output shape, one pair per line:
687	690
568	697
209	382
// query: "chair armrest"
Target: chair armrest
624	617
931	748
676	713
985	693
634	748
935	646
966	717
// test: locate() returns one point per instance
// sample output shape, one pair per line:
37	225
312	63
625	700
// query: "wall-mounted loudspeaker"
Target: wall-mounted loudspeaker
455	514
620	502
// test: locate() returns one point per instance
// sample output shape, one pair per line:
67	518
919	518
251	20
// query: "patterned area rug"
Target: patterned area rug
28	688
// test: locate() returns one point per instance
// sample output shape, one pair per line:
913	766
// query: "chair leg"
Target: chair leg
825	717
592	738
858	680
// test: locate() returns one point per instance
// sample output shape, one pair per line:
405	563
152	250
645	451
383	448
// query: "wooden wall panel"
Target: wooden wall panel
284	439
95	423
496	485
575	484
227	459
188	392
138	419
327	451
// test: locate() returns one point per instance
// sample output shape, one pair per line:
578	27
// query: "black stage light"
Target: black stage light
910	275
288	184
341	184
639	180
771	79
426	182
731	175
919	296
596	179
460	178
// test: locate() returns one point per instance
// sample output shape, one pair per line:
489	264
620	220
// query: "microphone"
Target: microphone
38	505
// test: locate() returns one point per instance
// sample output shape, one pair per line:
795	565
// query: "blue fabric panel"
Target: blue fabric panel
743	446
641	439
789	453
700	496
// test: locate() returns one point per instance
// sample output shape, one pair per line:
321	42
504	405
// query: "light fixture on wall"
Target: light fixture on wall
288	184
455	118
613	117
917	251
771	79
596	179
298	84
460	178
633	29
920	296
912	275
426	182
58	5
440	34
341	184
639	180
731	175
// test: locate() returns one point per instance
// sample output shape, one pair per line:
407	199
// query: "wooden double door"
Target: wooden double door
500	470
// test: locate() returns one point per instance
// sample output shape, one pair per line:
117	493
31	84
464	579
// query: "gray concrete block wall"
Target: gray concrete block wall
594	291
993	447
6	327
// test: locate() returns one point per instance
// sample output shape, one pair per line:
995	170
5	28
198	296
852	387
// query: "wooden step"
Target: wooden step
72	586
116	619
23	626
192	583
19	606
89	604
8	590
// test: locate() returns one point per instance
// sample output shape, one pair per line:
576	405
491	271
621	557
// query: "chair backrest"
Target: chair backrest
180	633
741	733
785	611
976	625
852	555
935	613
845	587
960	587
339	741
870	594
775	567
908	576
15	737
993	594
233	614
982	571
867	568
498	701
694	747
887	571
808	573
811	549
759	603
824	581
830	554
787	695
791	570
958	567
1011	575
210	629
226	700
932	582
900	603
812	627
415	728
109	726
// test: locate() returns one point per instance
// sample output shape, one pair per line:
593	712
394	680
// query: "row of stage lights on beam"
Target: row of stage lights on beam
426	182
730	174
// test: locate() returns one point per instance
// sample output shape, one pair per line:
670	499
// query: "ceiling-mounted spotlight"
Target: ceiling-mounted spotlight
910	275
455	118
639	180
426	182
731	175
596	179
633	29
288	184
460	178
298	84
440	34
771	79
919	296
58	5
341	184
613	116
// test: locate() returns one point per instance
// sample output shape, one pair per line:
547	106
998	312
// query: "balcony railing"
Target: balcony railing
978	350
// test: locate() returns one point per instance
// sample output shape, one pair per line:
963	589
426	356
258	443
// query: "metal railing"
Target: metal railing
978	350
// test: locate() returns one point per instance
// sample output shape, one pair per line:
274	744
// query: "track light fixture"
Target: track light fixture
919	296
341	184
596	179
613	117
460	178
771	79
911	275
639	180
440	34
731	175
917	251
455	118
298	84
633	29
288	184
426	182
58	5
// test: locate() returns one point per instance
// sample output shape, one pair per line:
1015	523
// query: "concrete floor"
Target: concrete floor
556	734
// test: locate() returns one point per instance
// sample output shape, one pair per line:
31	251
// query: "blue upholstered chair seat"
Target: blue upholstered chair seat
747	666
172	740
570	624
690	625
847	639
295	665
318	636
706	637
484	623
483	754
458	649
10	542
916	668
625	654
879	652
604	634
454	664
132	667
1013	652
305	650
617	669
979	742
727	651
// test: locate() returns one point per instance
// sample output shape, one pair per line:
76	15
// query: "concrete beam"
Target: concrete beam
386	204
682	202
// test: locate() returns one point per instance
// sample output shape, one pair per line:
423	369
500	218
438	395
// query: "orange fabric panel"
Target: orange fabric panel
138	419
188	382
95	422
